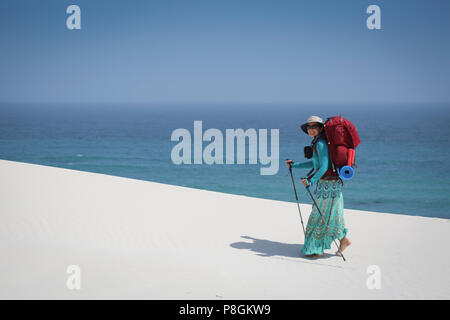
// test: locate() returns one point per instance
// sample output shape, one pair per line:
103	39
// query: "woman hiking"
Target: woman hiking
320	233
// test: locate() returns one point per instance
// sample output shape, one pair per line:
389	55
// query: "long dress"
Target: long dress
320	233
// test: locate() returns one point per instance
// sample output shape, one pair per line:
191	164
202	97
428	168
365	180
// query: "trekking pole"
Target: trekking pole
314	201
296	198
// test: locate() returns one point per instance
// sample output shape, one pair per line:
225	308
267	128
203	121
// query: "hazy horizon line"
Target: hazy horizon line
225	103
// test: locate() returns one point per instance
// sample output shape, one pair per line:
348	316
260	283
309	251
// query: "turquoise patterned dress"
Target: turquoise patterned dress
320	233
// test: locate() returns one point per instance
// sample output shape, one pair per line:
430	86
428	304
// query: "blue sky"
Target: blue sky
223	51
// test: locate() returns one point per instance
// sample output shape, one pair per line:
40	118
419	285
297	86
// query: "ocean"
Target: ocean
402	160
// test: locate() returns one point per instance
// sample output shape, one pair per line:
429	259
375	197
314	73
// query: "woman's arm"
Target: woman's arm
322	150
307	165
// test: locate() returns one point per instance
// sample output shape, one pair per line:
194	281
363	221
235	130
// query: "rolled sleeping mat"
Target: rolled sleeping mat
346	172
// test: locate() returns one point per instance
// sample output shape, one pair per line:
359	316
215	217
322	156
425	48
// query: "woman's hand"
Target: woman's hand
289	163
305	182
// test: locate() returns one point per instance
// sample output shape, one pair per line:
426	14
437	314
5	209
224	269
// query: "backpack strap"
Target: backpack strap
314	145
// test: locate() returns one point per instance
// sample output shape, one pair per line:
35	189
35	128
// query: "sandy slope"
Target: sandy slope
145	240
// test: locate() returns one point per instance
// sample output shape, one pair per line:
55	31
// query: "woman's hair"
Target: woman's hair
321	135
308	150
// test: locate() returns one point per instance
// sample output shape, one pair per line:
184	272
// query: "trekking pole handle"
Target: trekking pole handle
307	187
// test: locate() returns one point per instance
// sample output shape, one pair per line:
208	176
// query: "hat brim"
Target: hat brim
305	126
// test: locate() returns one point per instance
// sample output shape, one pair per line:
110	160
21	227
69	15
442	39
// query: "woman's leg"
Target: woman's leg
344	243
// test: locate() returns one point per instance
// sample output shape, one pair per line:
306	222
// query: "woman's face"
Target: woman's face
314	129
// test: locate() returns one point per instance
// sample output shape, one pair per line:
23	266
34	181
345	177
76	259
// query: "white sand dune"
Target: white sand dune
134	239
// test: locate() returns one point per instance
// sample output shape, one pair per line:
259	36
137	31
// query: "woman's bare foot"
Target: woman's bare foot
344	243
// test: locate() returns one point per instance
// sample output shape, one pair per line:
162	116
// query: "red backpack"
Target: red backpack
342	140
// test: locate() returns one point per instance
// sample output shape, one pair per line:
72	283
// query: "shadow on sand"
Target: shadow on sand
267	248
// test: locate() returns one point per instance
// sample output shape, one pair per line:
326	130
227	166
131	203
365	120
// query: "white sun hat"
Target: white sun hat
311	119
